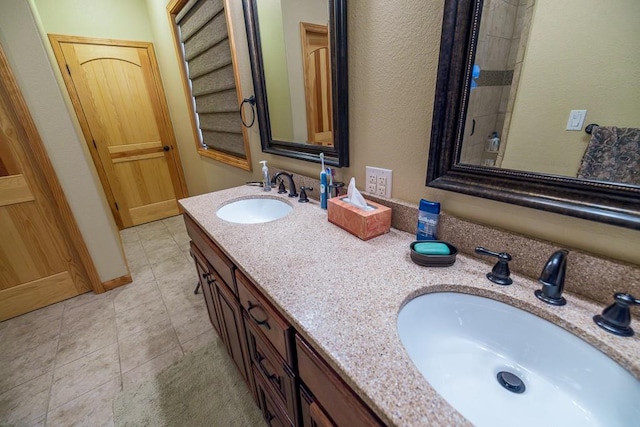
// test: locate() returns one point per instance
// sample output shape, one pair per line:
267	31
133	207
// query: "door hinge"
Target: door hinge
68	70
94	144
117	208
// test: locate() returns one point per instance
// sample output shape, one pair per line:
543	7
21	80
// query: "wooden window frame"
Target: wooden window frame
173	8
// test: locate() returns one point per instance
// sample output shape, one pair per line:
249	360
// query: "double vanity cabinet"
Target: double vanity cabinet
290	381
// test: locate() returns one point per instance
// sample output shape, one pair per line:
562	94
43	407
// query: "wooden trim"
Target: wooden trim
39	161
35	294
121	157
154	211
243	163
117	282
14	189
134	147
236	77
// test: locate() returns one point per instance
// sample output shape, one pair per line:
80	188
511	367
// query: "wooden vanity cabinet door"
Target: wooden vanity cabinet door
340	403
233	329
205	278
266	319
212	253
276	374
312	413
273	414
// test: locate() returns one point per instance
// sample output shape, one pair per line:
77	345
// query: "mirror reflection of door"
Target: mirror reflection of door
317	83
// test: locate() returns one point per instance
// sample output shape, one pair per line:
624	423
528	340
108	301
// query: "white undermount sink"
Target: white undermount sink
466	345
254	210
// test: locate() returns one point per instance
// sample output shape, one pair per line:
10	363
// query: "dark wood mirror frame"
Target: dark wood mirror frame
338	155
615	204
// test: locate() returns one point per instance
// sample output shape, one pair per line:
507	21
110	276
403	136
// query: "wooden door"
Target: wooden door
43	259
118	97
317	83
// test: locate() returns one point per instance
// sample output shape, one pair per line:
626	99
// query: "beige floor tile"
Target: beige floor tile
145	230
161	254
135	294
170	267
22	333
28	365
141	273
179	297
162	241
78	342
85	315
191	323
86	298
38	422
145	345
74	379
135	254
129	235
136	319
25	404
181	238
175	224
200	341
94	408
151	368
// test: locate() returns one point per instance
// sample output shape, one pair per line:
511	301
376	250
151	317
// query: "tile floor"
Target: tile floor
64	364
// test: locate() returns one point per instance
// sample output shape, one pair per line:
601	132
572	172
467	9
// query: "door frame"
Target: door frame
40	164
175	165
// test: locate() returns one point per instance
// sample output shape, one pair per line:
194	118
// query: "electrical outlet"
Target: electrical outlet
378	181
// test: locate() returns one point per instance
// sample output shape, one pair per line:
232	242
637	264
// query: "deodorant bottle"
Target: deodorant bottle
428	216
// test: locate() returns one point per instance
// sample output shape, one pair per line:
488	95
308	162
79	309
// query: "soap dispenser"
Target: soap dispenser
266	183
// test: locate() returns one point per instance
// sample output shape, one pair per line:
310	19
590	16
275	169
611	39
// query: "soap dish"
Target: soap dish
434	260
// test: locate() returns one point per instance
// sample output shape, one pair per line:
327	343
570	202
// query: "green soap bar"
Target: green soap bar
431	248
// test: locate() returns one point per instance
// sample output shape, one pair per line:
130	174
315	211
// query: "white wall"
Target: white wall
71	160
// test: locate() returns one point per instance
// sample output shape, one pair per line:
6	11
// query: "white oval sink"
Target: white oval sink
461	343
254	211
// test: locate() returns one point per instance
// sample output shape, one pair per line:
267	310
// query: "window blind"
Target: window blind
205	43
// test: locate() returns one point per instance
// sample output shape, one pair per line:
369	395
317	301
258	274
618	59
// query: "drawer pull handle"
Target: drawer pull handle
269	416
259	322
272	377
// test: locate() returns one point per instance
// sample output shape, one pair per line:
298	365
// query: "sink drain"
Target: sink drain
511	382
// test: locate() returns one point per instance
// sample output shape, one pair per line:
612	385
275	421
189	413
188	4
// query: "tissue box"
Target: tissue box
363	224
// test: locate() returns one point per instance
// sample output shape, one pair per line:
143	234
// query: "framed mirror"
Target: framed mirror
298	53
509	75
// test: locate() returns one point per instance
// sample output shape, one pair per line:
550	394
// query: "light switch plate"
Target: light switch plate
576	119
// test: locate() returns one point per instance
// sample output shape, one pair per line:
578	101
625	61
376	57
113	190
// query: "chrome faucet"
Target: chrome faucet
292	185
552	279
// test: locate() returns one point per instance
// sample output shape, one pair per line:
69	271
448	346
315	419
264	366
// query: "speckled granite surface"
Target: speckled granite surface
344	294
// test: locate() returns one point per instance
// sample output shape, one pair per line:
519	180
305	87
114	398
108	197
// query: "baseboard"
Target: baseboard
118	281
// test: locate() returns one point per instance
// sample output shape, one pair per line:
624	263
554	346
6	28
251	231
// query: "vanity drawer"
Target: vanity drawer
265	319
273	414
339	401
218	260
272	369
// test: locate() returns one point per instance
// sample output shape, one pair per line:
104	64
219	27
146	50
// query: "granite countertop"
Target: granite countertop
344	294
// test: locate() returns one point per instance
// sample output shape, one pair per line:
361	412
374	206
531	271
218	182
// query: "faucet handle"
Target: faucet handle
303	194
617	317
500	272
